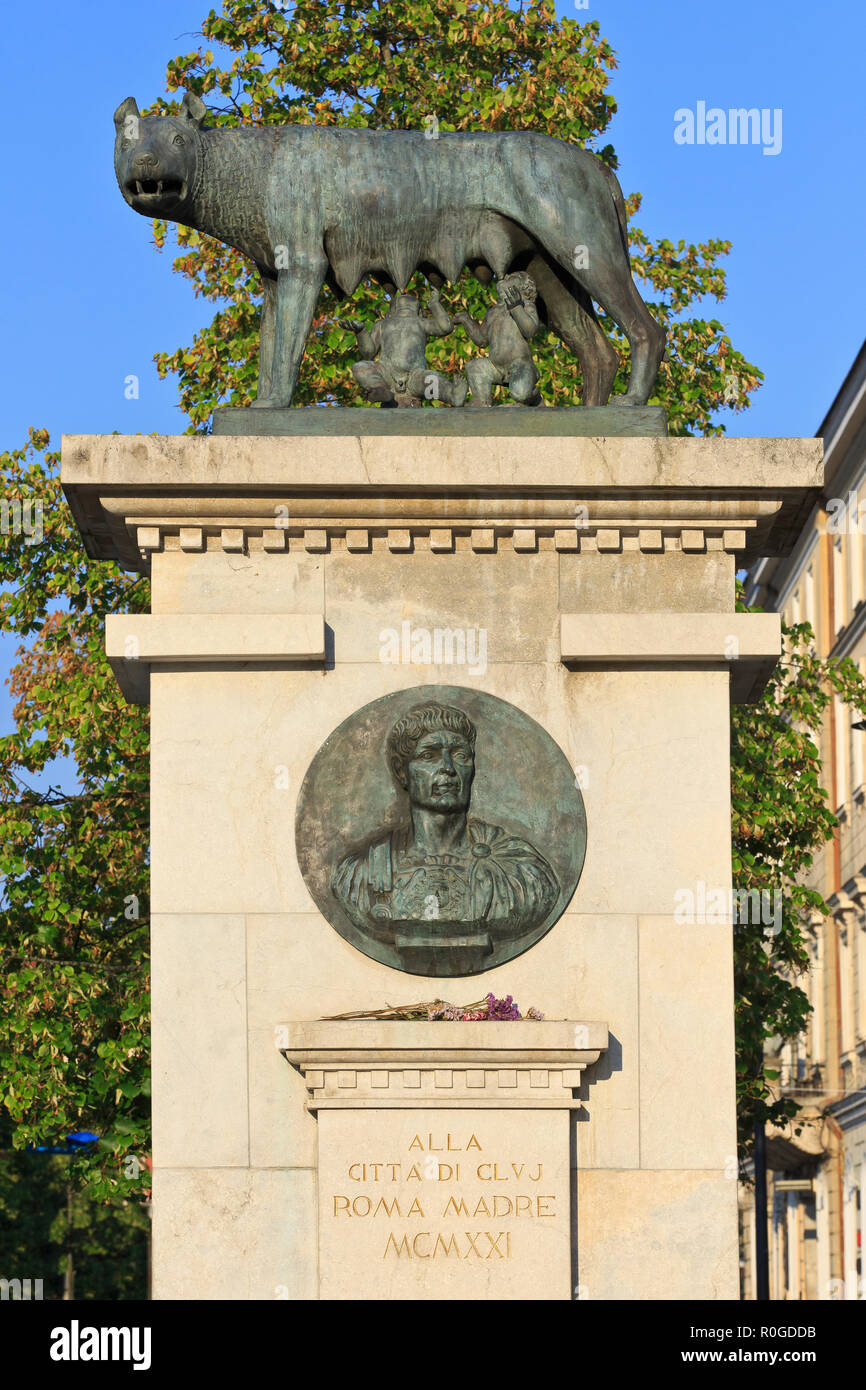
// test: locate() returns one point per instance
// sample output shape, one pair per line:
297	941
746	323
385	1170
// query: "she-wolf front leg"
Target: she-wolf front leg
298	290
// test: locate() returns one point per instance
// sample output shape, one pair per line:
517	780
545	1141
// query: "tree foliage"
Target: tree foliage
73	915
52	1228
780	817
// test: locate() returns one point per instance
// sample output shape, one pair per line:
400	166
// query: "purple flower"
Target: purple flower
502	1009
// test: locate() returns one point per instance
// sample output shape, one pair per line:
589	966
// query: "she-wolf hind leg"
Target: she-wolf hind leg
607	278
572	318
614	289
266	334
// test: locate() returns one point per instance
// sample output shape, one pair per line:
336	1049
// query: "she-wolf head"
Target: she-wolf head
157	158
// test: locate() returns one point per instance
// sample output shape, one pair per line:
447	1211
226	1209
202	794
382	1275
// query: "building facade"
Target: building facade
817	1178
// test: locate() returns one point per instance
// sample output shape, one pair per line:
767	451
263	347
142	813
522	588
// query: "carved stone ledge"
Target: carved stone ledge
371	1064
137	643
593	536
133	496
747	645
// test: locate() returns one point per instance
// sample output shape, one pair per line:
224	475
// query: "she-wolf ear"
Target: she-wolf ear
193	108
129	107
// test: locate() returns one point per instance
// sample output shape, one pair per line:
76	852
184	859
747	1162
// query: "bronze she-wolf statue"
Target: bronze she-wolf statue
312	205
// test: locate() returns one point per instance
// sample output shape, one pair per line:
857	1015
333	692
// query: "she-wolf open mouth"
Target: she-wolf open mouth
159	188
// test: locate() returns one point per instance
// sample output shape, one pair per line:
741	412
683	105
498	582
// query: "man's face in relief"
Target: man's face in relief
438	776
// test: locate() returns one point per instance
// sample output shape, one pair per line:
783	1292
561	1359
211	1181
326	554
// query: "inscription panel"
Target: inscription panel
472	1204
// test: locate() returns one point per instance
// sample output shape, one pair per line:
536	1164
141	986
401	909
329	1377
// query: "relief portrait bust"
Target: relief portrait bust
444	864
432	886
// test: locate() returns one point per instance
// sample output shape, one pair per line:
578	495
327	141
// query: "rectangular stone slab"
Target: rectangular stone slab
583	422
451	1205
747	644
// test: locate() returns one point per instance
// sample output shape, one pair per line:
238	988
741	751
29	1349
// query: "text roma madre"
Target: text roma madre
481	1244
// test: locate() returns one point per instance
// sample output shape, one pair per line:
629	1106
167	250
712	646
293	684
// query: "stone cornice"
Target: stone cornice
134	495
374	1064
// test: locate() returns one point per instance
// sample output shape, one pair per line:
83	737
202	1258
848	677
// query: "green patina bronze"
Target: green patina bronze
455	841
485	422
313	205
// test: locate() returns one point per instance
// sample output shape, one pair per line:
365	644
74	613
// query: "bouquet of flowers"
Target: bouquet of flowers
489	1008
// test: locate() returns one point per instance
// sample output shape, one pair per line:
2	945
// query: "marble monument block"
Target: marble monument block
438	716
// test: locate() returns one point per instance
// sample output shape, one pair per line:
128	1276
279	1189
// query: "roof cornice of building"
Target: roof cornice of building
840	428
848	409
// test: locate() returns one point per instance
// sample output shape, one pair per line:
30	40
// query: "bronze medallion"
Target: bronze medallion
440	830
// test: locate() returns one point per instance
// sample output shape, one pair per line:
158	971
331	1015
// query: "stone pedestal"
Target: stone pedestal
289	578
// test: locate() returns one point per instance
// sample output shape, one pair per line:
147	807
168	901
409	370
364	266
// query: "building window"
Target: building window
857	750
859	980
843	729
809	600
855	567
839	615
846	971
816	995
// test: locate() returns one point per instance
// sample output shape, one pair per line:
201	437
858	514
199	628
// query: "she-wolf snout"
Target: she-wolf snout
145	163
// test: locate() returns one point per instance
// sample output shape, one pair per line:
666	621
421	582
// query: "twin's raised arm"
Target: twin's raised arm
476	331
369	339
439	321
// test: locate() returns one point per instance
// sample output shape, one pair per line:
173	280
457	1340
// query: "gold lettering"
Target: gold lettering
404	1246
501	1211
447	1246
389	1210
517	1206
362	1198
537	1177
473	1143
482	1208
494	1244
416	1144
415	1250
472	1246
539	1200
459	1205
338	1209
415	1209
352	1172
481	1175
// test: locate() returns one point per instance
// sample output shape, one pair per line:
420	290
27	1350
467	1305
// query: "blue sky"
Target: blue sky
88	299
